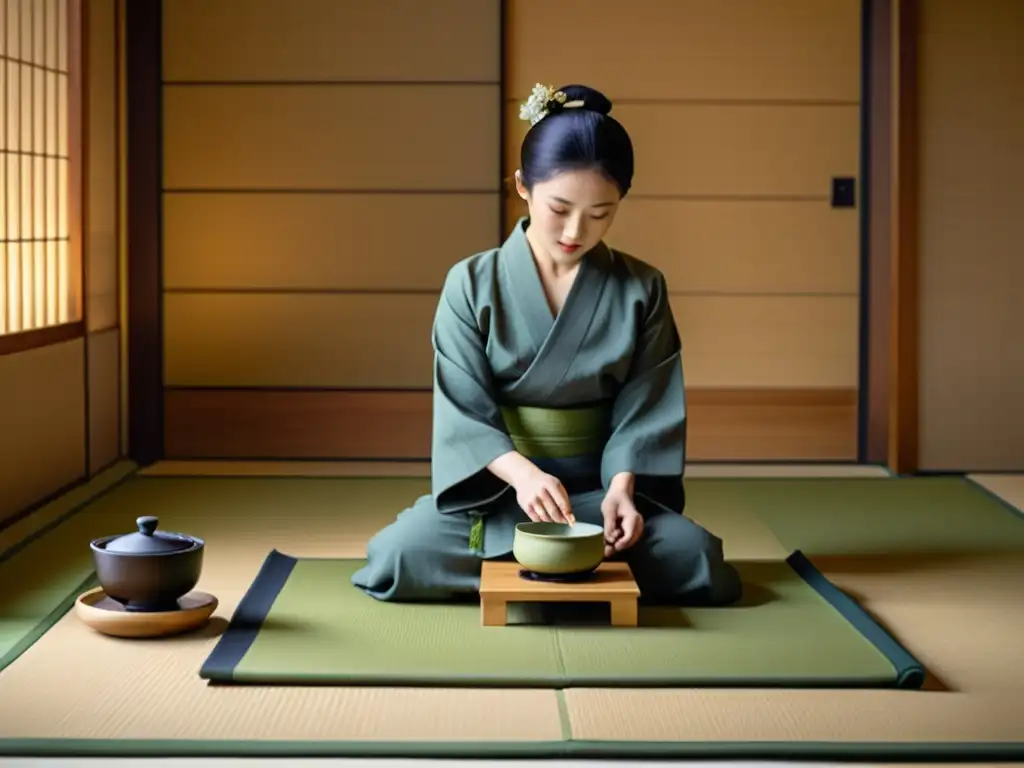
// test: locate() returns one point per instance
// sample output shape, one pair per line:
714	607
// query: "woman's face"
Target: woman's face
569	213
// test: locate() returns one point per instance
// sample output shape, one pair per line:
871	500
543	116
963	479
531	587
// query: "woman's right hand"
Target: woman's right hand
543	498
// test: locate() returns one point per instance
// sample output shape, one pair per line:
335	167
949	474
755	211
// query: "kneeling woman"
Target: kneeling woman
558	387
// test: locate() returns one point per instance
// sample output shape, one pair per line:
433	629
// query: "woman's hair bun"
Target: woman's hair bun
593	100
571	128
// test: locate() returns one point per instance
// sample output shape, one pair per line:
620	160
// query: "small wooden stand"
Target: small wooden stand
501	584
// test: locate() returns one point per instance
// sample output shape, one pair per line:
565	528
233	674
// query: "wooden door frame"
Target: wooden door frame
889	297
887	413
144	214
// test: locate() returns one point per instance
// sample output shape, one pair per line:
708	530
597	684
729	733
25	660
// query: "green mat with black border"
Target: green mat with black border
301	622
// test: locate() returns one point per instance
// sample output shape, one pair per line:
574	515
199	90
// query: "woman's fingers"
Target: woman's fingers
531	512
550	504
561	499
551	507
541	514
628	536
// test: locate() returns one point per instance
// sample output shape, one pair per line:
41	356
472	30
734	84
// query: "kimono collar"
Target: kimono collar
527	289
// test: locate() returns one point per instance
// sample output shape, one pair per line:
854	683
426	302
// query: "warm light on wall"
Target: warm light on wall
36	285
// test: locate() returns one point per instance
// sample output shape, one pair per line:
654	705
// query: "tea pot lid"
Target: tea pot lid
148	540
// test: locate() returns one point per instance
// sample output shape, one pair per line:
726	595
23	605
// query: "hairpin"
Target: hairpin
542	100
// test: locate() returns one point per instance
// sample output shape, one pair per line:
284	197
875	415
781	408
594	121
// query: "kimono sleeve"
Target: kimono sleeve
648	422
468	429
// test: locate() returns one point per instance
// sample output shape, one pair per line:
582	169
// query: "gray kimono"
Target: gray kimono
587	394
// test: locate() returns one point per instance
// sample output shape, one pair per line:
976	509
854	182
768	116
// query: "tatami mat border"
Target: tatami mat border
889	752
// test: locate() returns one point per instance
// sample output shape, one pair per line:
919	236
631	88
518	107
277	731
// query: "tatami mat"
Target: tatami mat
744	536
101	688
150	689
422	469
960	615
722	715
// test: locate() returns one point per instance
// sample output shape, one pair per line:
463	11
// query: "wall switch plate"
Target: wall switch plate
844	191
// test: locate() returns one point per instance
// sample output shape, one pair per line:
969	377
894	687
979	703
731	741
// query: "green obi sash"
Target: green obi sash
557	433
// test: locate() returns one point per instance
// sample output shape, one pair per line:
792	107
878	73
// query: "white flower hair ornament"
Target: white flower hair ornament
542	100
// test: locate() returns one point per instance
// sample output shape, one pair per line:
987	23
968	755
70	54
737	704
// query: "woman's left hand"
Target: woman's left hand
623	525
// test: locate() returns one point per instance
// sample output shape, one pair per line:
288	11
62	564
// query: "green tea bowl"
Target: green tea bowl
558	548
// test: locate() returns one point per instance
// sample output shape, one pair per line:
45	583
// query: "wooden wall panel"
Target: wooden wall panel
734	150
103	398
289	424
297	241
331	40
776	342
383	340
773	425
293	339
782	247
331	137
42	423
255	424
102	169
971	266
709	50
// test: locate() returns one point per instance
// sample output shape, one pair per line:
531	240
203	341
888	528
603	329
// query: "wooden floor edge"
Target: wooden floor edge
725	425
276	468
405	469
